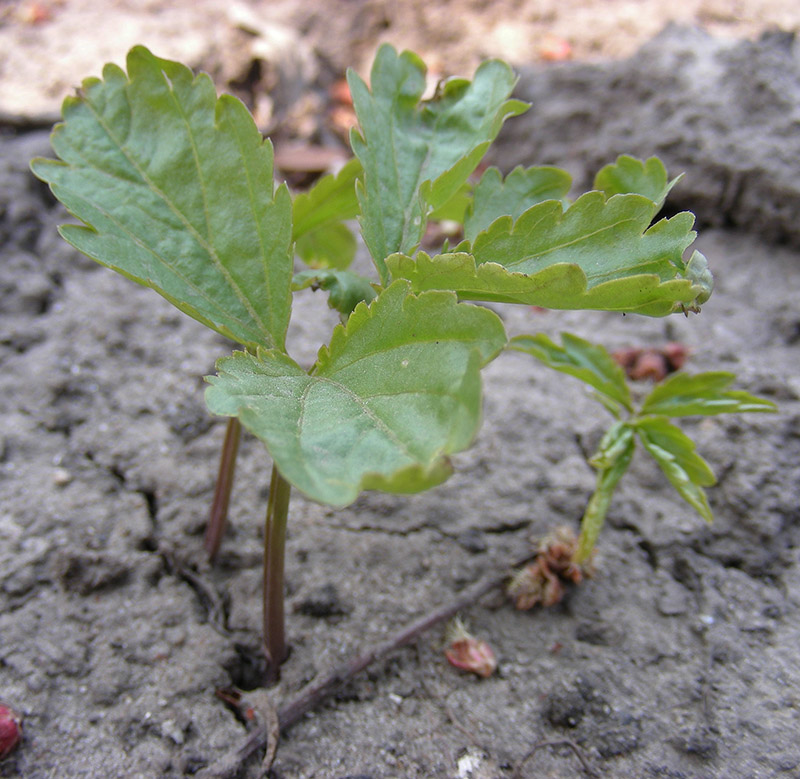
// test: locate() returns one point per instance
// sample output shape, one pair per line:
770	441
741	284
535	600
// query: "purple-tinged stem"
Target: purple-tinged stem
274	551
222	493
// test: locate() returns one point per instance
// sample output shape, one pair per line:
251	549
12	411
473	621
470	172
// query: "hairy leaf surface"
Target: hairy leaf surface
704	393
395	393
175	190
629	175
417	155
586	361
522	188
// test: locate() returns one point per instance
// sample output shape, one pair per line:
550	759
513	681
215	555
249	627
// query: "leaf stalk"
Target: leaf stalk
222	493
274	548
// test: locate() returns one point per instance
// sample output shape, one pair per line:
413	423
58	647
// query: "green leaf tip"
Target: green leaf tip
496	196
395	393
174	188
675	454
704	394
589	362
629	175
418	154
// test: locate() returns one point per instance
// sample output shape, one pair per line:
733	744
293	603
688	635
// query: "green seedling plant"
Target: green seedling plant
648	423
173	187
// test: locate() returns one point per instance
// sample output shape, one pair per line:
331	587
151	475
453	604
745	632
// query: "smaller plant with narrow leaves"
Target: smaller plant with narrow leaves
174	188
563	558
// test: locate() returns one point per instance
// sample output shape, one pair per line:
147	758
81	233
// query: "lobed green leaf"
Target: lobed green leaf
607	239
586	361
706	394
675	454
417	155
395	393
175	190
561	286
522	188
629	175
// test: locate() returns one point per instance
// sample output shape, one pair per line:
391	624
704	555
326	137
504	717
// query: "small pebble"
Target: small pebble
61	477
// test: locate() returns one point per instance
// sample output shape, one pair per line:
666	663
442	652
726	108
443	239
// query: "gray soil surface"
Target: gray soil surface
680	659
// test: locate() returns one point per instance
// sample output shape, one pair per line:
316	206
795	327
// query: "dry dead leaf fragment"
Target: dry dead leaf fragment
467	652
10	730
544	580
652	364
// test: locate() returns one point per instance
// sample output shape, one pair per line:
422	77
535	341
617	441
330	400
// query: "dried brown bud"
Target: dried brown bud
468	653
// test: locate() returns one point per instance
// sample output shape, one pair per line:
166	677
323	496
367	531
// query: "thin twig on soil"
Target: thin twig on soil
564	742
316	692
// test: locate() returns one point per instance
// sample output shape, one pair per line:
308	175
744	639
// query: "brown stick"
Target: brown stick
564	742
315	692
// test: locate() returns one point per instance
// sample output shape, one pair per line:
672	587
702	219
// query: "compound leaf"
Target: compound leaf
175	190
629	175
586	361
417	155
522	188
675	454
683	395
395	393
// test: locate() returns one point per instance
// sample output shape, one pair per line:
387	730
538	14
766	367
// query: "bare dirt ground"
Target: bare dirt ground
680	659
48	46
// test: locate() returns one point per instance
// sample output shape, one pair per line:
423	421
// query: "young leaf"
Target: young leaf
395	393
327	246
631	176
607	239
683	395
586	361
331	200
345	289
612	460
563	285
698	273
416	156
175	189
495	197
675	454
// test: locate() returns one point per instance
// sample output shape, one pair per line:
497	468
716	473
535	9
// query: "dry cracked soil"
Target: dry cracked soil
680	658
